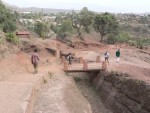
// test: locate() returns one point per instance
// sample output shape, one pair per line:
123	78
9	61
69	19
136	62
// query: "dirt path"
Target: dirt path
60	95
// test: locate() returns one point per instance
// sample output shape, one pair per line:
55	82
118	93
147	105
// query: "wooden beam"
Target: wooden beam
81	60
91	70
57	53
65	65
98	60
85	66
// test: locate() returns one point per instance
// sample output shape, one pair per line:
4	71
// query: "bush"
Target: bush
9	26
123	37
132	43
10	37
140	43
65	28
41	29
111	39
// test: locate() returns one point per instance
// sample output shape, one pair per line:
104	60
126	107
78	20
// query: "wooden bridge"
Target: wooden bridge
84	65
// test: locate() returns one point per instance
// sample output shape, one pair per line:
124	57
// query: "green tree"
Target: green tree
41	29
105	23
16	14
76	24
82	20
86	18
9	26
66	26
62	29
7	19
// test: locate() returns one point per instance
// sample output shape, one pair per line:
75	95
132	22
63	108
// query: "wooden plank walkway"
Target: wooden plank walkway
80	67
84	66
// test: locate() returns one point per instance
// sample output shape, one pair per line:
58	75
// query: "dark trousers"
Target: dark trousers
70	61
107	59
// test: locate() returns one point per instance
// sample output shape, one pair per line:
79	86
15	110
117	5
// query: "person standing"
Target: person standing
118	55
34	60
69	57
106	55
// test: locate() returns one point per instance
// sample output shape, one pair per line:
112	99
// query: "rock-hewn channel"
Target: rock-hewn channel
87	90
114	92
122	94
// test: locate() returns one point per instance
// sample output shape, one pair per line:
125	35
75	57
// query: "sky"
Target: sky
113	6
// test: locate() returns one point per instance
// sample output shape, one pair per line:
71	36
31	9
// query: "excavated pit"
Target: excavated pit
113	92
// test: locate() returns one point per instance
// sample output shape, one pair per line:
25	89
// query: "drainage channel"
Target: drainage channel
85	86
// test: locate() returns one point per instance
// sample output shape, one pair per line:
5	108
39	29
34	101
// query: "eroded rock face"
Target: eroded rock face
122	94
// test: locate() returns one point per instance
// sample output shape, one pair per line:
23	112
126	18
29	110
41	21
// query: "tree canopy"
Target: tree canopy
82	20
41	29
7	19
105	23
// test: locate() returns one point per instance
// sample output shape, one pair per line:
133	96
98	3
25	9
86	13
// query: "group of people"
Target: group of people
35	58
106	55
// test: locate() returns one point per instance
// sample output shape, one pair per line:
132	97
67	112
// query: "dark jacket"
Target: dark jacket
117	53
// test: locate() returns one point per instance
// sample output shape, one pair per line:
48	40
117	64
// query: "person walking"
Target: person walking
34	60
106	55
118	55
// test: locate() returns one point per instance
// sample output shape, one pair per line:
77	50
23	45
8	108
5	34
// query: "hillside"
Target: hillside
59	89
122	88
44	10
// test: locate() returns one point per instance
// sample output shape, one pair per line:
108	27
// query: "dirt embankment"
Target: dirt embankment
122	94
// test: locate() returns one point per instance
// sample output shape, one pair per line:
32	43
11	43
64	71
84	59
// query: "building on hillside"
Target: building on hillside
23	34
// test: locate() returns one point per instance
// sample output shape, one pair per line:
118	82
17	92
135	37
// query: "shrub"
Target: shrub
123	37
63	29
132	43
140	43
10	37
9	26
111	39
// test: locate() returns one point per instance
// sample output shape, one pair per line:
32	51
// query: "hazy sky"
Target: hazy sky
117	6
